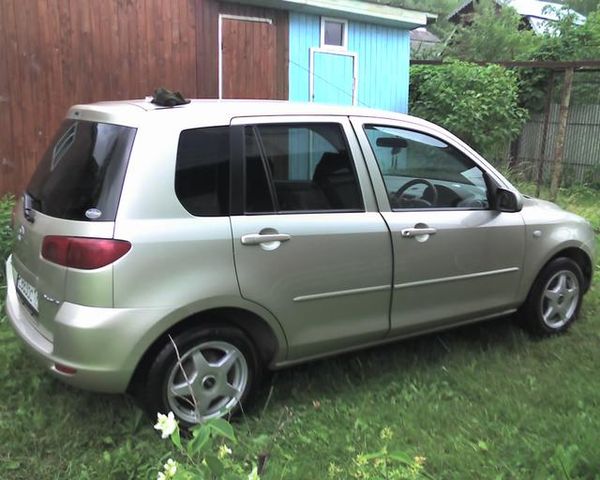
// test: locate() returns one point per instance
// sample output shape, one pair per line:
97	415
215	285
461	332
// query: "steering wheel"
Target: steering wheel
403	201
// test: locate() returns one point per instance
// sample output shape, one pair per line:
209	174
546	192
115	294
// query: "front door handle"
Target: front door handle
257	238
414	232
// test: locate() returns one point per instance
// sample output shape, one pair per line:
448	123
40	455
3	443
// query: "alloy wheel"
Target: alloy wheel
208	382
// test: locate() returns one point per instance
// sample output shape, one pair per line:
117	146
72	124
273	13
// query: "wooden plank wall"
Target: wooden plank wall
55	53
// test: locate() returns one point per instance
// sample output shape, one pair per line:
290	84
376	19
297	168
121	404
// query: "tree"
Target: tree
442	7
492	34
585	7
441	27
565	41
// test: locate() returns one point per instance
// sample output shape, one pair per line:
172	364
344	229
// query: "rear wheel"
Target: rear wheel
555	298
210	373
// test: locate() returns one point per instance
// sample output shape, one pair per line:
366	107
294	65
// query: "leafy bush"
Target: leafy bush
206	455
6	236
478	104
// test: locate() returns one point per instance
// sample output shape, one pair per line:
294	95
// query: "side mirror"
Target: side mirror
508	201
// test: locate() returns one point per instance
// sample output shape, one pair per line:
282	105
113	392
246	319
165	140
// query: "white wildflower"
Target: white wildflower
254	474
170	468
166	424
224	450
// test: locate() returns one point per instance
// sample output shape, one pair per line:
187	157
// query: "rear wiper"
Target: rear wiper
28	211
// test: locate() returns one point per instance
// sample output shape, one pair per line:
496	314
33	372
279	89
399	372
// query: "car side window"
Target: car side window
299	168
202	171
421	171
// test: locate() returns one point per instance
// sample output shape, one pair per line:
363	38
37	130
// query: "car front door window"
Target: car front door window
421	171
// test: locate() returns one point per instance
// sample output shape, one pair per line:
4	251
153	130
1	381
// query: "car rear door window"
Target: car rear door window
202	171
299	168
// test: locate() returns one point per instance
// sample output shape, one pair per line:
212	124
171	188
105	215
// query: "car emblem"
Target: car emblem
21	233
93	213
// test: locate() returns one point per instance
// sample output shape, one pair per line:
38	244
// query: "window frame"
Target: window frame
490	184
238	167
327	46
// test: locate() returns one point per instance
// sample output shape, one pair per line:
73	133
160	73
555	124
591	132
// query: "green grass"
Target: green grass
481	402
581	200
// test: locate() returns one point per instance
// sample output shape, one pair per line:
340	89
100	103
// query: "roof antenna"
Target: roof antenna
166	98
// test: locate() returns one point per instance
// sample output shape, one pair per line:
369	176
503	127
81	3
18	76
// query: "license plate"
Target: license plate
28	293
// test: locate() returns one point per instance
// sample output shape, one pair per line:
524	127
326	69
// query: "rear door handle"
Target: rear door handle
413	232
257	238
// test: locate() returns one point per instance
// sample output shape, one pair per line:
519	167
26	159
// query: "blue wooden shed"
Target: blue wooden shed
348	52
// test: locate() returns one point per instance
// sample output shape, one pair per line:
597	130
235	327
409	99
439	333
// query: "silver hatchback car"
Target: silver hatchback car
178	253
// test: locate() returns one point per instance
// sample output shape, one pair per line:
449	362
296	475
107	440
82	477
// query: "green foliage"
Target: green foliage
478	104
442	8
585	7
6	234
492	35
496	34
584	201
381	464
565	41
205	455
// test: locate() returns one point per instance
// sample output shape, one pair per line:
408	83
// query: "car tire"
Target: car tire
555	298
221	366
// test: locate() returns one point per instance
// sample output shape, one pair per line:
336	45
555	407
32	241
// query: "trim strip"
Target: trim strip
341	293
379	288
457	277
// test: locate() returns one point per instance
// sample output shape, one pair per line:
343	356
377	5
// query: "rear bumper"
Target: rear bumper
103	345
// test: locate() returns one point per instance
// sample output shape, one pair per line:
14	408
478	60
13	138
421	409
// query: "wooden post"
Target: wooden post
542	162
559	147
513	153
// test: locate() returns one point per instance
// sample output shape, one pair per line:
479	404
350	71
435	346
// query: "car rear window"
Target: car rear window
81	175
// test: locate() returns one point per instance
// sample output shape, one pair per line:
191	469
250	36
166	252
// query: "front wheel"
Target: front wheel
205	372
555	298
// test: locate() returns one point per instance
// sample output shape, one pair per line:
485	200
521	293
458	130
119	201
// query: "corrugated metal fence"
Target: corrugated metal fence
582	145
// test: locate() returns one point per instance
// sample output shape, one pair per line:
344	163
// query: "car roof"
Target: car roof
216	112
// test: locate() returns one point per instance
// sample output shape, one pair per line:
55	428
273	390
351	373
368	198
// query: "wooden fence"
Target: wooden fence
55	53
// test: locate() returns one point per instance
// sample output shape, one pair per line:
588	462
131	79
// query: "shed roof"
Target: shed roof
421	34
358	10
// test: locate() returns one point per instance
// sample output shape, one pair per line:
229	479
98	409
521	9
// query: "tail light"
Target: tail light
83	253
